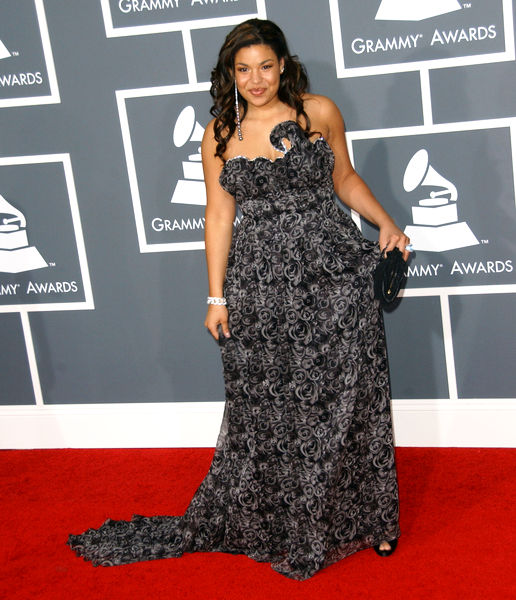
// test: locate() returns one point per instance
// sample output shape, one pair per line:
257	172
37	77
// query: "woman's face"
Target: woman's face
257	72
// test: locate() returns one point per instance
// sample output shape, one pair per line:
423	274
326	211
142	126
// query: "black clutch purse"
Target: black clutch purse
389	276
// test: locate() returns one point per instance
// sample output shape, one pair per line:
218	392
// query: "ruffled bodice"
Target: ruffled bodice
298	180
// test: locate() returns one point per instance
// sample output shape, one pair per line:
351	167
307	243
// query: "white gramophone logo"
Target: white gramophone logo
4	53
415	10
436	225
16	255
189	190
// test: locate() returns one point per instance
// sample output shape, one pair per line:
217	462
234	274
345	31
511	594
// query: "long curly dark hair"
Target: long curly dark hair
293	82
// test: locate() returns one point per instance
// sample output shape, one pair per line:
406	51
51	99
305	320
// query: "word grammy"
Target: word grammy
128	6
423	270
21	79
408	42
9	289
359	45
159	224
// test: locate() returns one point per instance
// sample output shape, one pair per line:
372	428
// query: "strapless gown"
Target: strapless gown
304	469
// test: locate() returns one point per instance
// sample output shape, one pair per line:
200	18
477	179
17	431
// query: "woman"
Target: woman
303	473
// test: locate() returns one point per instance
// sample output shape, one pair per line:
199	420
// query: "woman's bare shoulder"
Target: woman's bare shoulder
208	138
319	104
209	147
322	111
209	131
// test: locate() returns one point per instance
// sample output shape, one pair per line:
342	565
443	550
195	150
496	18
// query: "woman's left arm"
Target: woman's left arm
350	187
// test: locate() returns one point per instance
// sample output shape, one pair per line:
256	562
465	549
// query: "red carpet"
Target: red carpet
458	521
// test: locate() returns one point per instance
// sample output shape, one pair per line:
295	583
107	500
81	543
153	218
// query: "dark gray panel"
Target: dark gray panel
459	94
484	343
145	341
308	35
377	102
206	45
16	387
416	349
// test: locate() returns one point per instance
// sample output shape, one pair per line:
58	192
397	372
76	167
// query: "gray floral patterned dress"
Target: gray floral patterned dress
303	472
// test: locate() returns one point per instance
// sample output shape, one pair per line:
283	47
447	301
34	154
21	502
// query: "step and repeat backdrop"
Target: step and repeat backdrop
103	104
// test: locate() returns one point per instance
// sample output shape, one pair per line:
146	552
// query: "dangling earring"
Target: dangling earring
237	111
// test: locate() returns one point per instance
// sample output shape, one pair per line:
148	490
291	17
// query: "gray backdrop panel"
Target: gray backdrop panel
460	94
484	345
144	341
15	375
416	349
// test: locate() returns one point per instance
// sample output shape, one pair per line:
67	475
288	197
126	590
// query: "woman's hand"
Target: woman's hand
392	237
217	315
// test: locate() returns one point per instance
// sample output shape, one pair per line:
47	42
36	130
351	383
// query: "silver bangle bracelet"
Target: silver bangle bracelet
216	300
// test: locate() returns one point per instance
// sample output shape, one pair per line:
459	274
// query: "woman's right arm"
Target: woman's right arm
218	231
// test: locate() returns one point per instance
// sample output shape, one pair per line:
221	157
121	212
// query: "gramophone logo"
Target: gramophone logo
191	189
16	255
436	226
4	53
415	10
